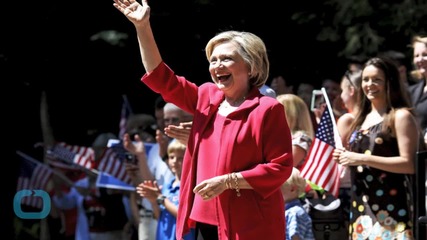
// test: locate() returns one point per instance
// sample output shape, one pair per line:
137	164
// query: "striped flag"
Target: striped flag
125	113
319	166
110	163
33	175
72	154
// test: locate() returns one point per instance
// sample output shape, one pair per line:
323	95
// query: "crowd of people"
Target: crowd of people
225	157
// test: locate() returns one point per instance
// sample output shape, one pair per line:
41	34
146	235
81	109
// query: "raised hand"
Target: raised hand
181	132
163	141
137	13
136	147
148	189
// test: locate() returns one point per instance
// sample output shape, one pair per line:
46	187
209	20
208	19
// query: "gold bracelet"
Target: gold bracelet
228	182
236	184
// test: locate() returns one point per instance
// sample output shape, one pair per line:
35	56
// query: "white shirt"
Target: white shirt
159	169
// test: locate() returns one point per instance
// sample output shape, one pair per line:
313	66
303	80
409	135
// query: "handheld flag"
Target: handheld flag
112	165
319	167
108	181
71	154
33	175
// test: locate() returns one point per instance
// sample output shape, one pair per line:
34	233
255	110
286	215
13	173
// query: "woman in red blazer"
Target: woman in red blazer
239	152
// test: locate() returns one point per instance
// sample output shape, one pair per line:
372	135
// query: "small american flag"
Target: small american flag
125	113
111	163
72	154
319	167
33	175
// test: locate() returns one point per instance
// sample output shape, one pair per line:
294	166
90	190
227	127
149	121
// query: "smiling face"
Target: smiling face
420	57
373	83
228	69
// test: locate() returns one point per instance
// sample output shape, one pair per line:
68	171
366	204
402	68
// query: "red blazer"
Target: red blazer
258	144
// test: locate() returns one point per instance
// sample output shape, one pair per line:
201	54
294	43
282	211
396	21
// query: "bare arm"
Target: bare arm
212	187
163	141
343	125
133	200
407	140
137	148
139	15
150	190
133	172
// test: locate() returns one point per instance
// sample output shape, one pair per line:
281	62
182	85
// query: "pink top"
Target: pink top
254	140
204	211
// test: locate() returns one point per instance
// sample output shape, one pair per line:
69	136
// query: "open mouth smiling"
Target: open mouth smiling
223	77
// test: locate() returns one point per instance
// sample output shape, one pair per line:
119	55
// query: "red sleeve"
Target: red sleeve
276	151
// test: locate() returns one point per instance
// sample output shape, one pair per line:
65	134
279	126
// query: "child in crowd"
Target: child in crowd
298	222
165	201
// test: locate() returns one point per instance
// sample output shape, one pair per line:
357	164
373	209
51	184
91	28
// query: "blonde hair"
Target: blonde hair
251	48
297	180
418	39
297	113
416	74
176	145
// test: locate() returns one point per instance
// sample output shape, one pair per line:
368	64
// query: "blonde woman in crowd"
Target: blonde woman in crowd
418	91
301	125
299	121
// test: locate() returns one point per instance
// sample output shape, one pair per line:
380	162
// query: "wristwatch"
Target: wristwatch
161	199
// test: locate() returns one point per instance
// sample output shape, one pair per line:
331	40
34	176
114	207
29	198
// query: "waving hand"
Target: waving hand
137	13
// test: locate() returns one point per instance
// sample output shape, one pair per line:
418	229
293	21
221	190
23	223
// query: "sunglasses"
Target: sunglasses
347	75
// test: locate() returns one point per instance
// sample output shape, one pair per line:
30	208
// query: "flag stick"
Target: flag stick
56	172
125	99
337	138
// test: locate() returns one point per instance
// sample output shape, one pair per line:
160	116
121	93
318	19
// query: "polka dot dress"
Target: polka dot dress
381	203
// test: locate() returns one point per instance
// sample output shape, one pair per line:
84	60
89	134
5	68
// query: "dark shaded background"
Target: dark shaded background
47	46
85	78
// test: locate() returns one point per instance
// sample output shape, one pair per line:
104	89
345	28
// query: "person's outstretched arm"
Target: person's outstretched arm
139	15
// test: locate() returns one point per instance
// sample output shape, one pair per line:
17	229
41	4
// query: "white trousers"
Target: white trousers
147	228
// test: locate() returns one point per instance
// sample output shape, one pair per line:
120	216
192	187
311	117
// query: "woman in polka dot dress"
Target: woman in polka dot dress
381	156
